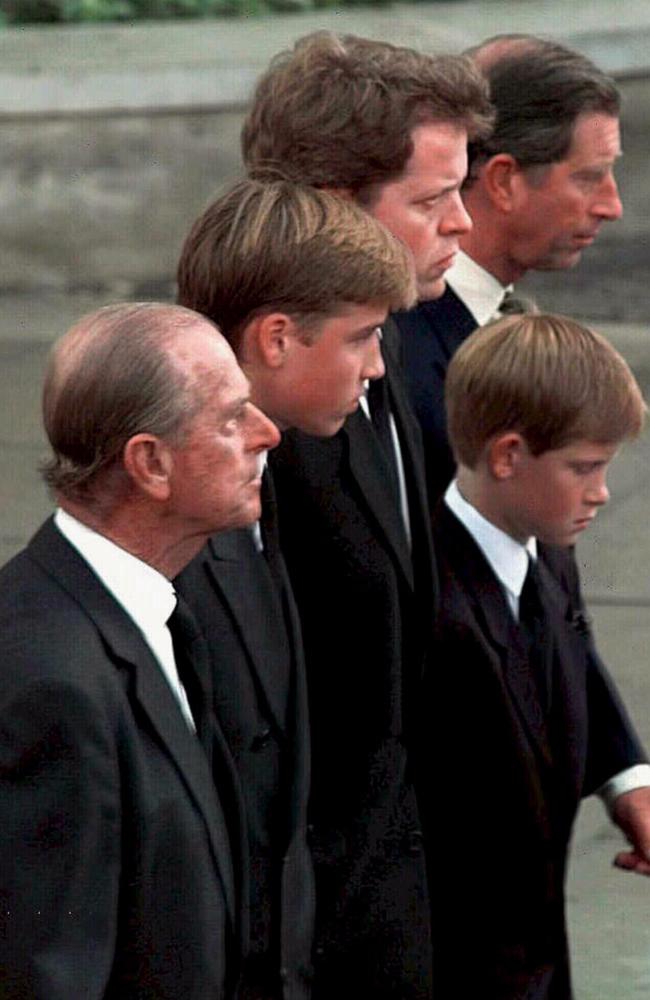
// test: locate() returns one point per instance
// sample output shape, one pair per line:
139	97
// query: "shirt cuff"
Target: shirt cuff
637	776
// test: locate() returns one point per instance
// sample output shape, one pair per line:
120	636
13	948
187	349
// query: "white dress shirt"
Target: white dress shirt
509	562
145	594
477	289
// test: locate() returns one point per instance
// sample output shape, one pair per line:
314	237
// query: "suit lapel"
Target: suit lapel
410	439
149	690
242	577
498	625
438	328
366	464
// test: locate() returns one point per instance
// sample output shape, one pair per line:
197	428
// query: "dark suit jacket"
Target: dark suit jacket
508	777
431	333
366	607
117	879
251	625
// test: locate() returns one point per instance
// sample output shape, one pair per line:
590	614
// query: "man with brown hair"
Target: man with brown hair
299	282
540	187
387	128
121	864
537	407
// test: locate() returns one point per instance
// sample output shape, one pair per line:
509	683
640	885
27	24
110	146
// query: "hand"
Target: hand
631	813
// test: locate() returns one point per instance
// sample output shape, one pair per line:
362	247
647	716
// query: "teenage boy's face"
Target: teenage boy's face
423	206
557	494
321	380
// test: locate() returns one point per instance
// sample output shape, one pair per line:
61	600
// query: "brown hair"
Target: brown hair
538	88
338	111
263	247
108	378
546	377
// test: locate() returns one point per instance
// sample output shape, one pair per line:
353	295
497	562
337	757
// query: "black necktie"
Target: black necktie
193	666
379	406
535	627
512	303
269	530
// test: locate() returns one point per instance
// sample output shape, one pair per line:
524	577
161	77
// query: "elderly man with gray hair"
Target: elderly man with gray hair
120	872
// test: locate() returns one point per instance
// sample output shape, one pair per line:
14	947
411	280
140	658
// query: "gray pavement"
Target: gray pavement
81	171
609	910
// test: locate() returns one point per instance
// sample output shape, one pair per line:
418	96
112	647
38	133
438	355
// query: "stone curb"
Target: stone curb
198	65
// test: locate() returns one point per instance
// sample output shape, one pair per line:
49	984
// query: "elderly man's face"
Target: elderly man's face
218	464
560	213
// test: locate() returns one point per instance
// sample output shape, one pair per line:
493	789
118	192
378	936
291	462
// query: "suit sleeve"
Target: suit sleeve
613	744
60	836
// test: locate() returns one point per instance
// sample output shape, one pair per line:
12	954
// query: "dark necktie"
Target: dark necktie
269	530
535	627
193	666
379	406
512	304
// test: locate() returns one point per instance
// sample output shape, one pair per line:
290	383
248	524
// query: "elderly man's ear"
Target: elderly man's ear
148	461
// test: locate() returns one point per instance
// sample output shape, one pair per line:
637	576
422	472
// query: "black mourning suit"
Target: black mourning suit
509	774
245	608
431	333
120	874
366	602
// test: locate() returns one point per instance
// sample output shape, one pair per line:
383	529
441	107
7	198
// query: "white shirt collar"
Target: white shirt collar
477	288
144	593
507	557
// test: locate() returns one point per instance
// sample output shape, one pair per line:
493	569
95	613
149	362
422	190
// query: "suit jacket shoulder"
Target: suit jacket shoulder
431	333
107	800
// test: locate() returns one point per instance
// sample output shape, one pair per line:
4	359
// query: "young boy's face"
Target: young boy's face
321	382
557	494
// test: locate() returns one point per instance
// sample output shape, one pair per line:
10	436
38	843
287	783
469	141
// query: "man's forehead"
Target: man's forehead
595	134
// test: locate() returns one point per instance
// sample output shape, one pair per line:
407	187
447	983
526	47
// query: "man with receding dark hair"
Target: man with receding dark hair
539	189
122	866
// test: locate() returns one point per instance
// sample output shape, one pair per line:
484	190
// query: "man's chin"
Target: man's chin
430	289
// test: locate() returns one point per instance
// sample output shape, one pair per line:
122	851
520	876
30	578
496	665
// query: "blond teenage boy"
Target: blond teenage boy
299	282
524	721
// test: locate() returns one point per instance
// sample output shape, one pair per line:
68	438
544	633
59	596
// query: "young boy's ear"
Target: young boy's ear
269	339
505	453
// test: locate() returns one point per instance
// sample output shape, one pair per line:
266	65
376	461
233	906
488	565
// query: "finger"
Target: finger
630	861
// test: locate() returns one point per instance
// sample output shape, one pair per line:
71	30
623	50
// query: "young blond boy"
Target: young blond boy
299	282
524	719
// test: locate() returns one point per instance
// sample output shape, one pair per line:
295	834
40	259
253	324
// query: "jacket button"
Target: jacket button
414	842
261	740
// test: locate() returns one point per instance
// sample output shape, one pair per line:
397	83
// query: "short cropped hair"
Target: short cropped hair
108	378
338	111
545	377
538	89
267	246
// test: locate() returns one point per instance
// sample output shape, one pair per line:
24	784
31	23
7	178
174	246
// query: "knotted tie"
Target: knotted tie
512	303
192	663
270	531
534	624
379	406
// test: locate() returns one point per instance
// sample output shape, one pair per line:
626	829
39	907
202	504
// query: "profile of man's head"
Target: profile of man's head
386	125
126	395
299	280
547	168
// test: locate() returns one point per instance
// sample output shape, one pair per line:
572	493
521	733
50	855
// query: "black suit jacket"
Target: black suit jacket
508	777
251	624
117	879
366	604
431	333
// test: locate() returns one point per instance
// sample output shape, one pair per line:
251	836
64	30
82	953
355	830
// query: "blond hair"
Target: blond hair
267	246
545	377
